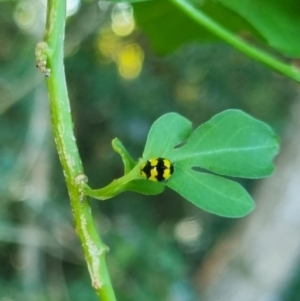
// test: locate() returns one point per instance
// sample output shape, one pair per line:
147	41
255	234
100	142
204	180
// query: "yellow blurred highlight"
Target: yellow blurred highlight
122	29
25	14
108	44
128	56
130	60
122	19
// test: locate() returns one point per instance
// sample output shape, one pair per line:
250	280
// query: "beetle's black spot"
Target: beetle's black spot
147	169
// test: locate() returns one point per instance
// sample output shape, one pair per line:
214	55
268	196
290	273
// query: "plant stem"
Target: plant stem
115	187
253	52
50	53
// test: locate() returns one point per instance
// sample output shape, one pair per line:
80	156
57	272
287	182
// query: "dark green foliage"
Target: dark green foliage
179	29
276	22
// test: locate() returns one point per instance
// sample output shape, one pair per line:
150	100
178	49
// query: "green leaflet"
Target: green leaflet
166	132
232	143
212	193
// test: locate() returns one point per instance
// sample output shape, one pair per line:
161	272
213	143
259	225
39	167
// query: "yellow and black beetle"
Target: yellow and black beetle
157	169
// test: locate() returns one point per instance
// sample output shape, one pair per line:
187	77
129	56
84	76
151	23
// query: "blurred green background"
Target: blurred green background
117	86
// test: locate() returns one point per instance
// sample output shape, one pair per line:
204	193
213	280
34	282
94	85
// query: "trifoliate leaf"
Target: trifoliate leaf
232	143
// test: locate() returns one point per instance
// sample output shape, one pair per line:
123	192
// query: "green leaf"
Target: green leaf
212	193
166	132
278	21
168	27
274	22
232	143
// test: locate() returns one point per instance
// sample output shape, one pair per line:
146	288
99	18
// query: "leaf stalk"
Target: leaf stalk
233	40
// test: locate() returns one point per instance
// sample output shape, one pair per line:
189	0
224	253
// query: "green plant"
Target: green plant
231	144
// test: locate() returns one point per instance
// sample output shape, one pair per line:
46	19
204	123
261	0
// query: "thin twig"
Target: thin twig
50	61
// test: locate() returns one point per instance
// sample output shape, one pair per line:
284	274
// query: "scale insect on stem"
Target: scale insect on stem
157	169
